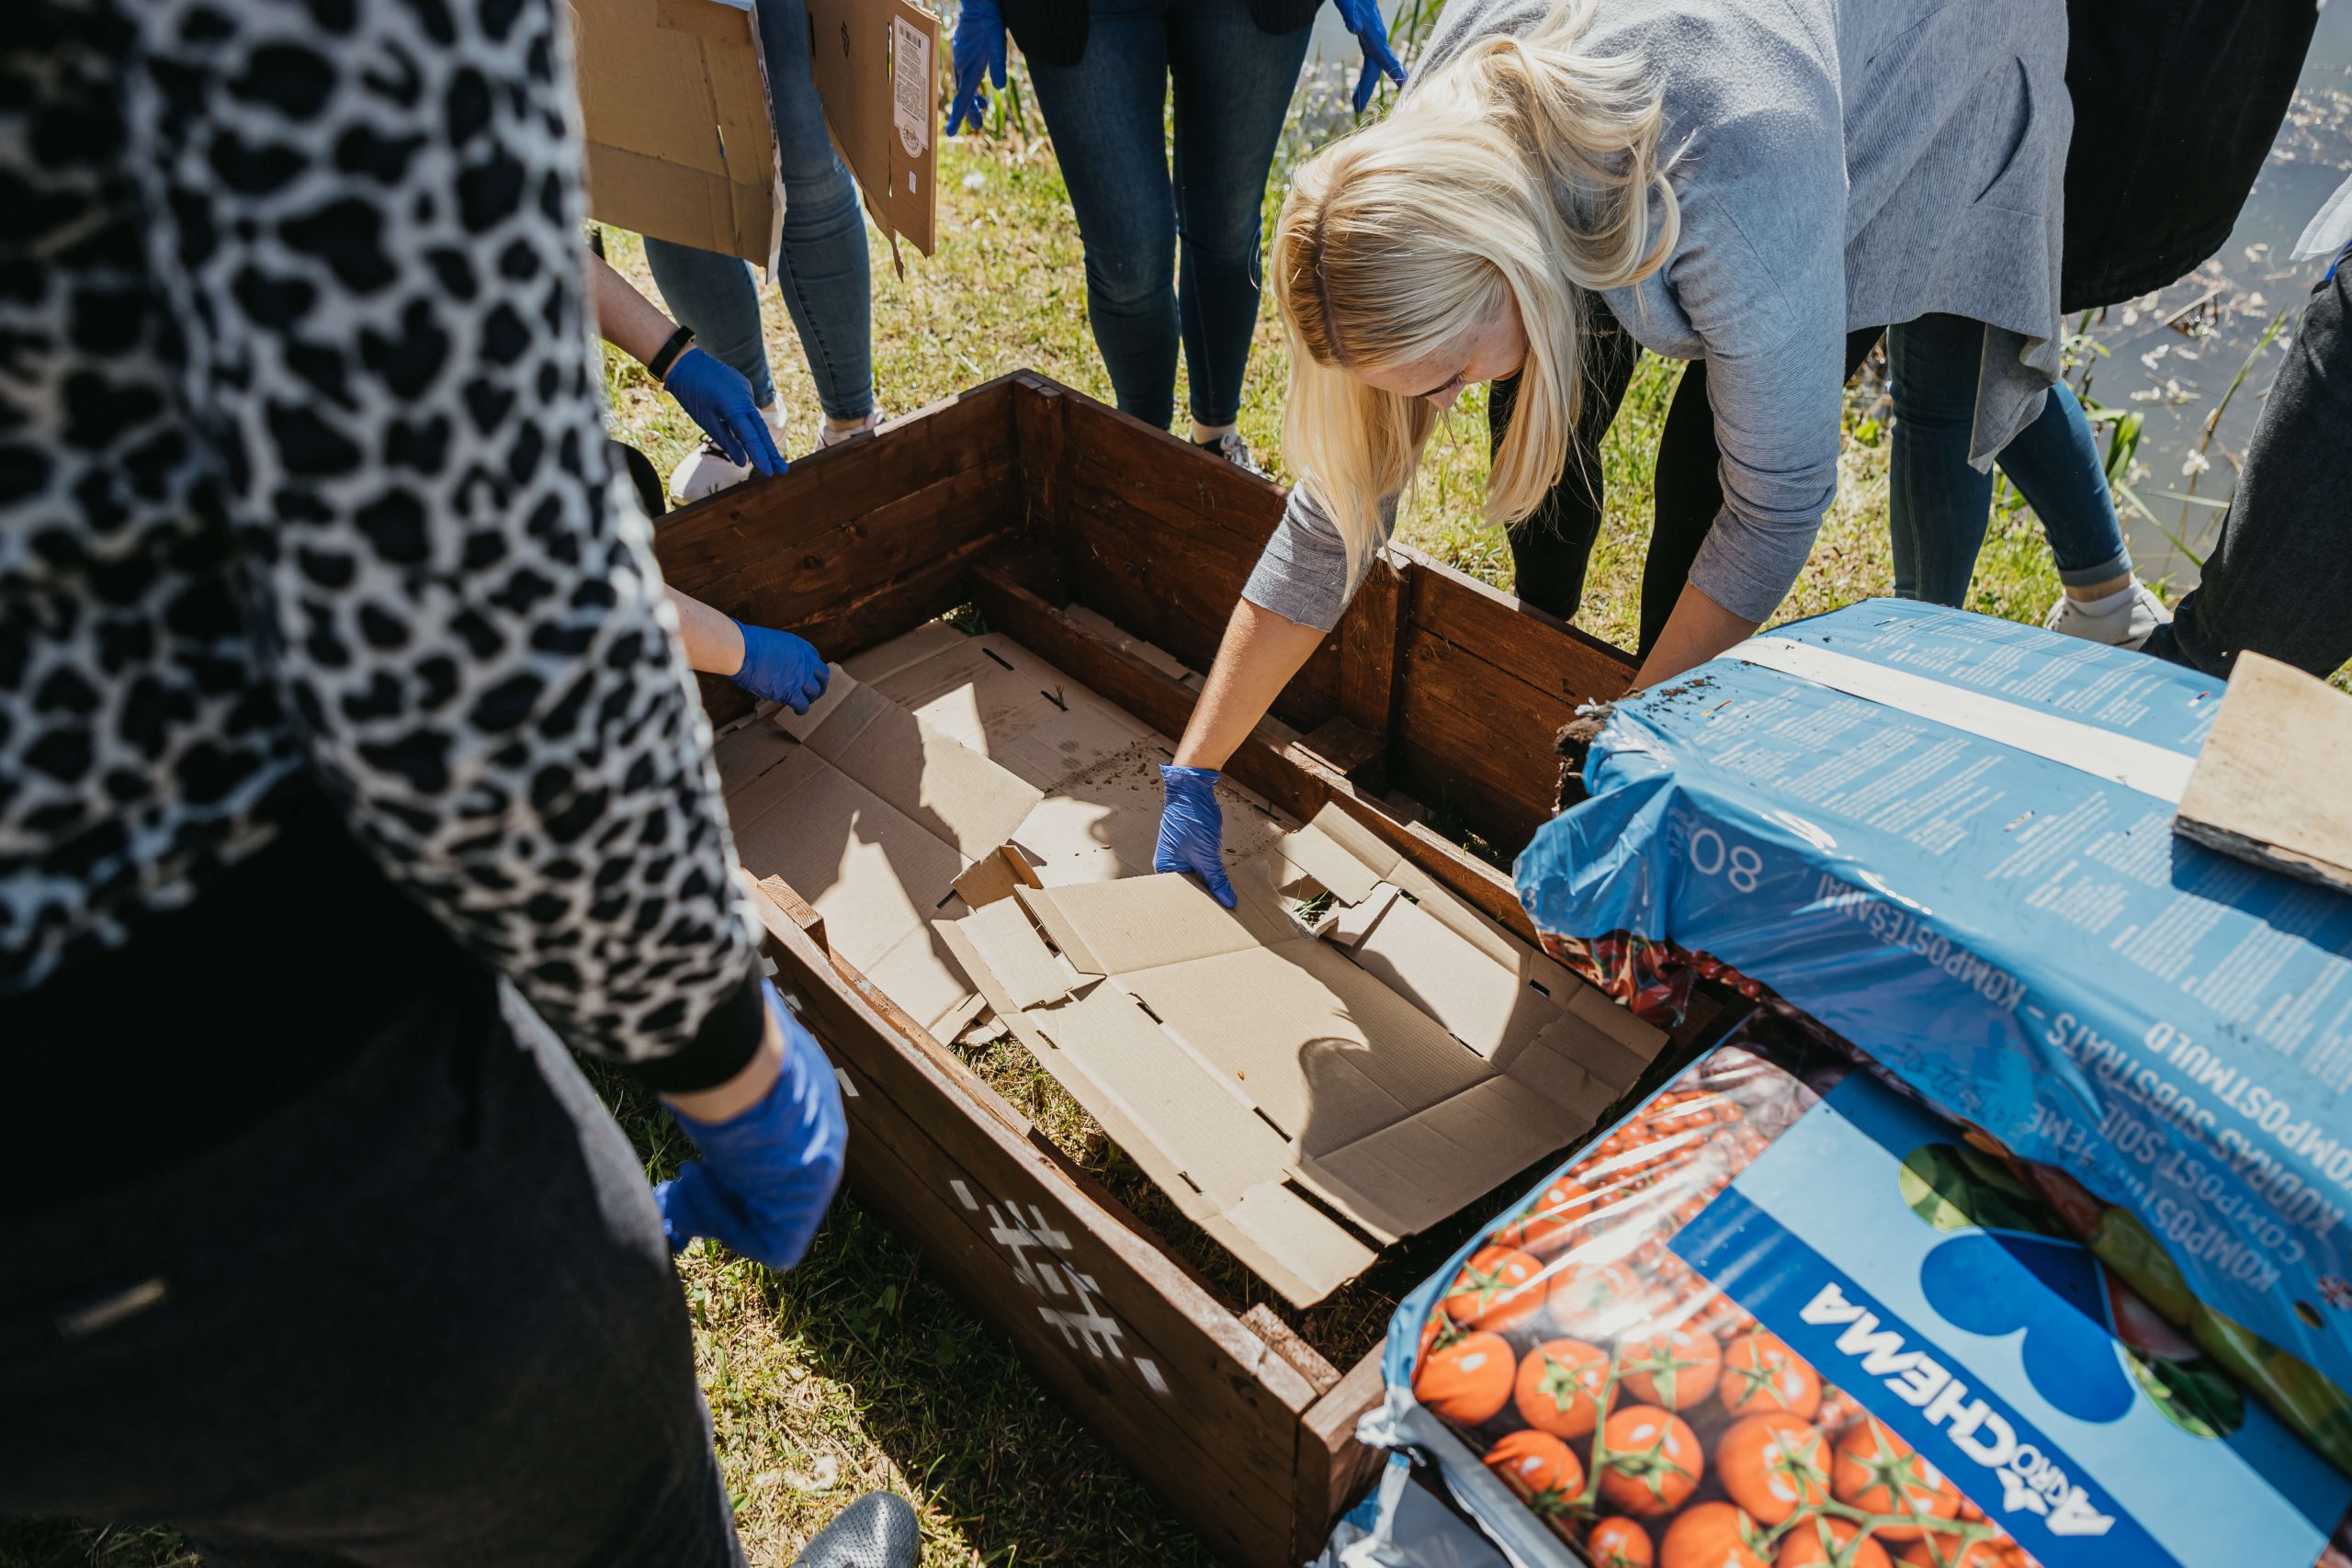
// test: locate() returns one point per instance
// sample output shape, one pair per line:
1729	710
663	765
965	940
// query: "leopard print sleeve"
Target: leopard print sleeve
363	219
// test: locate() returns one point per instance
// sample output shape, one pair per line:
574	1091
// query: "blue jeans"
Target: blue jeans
1939	506
1233	86
823	273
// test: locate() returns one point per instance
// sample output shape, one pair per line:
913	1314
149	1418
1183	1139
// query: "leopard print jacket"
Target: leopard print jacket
303	483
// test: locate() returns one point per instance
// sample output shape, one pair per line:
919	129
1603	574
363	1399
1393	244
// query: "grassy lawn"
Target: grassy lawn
854	1370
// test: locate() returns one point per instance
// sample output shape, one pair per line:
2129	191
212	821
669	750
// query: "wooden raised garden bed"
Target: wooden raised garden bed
1026	500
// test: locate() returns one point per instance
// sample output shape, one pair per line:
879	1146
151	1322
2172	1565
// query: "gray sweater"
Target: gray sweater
1842	163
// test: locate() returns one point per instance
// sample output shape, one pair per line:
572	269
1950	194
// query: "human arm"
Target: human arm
774	666
713	393
1763	287
1697	630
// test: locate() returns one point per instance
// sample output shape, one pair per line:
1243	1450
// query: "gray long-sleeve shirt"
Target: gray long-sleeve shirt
1841	163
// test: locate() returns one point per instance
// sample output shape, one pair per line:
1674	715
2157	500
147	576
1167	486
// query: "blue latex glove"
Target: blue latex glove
1191	830
716	397
781	668
766	1175
979	47
1362	19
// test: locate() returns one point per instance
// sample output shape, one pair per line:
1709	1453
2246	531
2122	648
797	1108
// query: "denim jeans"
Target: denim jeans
1233	86
2280	580
1939	506
823	273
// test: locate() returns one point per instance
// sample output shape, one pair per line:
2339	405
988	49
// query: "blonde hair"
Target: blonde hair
1524	169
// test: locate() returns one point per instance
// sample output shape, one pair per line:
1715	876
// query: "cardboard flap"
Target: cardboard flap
1423	1168
1350	923
1006	958
944	787
1110	927
1479	1001
839	685
1293	1245
995	876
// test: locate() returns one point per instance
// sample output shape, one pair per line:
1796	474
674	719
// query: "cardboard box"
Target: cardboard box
673	100
1305	1094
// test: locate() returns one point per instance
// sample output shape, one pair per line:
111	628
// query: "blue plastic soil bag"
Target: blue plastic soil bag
1784	1315
1946	841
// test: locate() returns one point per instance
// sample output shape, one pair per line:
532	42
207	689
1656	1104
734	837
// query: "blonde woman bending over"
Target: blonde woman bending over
1757	185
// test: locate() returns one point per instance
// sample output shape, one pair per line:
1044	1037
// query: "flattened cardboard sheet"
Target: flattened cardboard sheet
938	775
881	822
1303	1092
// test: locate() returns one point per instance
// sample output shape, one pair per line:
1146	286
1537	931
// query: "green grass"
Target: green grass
855	1370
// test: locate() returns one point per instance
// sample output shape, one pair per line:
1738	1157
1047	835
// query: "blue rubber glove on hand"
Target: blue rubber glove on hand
979	47
716	397
766	1175
1362	19
781	668
1191	830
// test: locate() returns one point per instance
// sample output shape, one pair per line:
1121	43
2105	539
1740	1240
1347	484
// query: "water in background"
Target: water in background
2171	356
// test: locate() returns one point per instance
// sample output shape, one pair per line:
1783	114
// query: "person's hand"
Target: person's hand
978	49
766	1173
1362	19
716	397
1191	830
781	668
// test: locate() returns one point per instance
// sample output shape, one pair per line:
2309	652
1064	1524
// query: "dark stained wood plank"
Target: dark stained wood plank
1207	489
1565	664
1473	740
1205	1411
1040	424
855	619
1334	1470
715	539
1371	635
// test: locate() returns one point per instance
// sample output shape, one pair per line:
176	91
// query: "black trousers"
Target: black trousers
1551	546
419	1313
2280	580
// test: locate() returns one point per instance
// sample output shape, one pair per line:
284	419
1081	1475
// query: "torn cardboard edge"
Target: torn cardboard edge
1305	1095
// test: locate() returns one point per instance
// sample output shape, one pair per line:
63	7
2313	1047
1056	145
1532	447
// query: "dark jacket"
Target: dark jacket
1053	32
2176	105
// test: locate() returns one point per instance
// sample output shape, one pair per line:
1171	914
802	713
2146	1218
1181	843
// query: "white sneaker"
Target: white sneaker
2125	618
828	437
707	470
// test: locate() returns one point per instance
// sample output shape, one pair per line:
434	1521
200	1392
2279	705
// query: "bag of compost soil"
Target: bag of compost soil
1947	840
1785	1315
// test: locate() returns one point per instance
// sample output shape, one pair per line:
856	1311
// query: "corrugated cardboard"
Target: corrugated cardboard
1301	1092
875	62
880	821
673	100
674	106
939	773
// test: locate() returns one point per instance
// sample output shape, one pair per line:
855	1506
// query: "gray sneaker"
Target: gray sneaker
2120	621
879	1530
1234	450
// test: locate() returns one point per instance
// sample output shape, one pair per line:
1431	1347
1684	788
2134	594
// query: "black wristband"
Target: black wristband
667	355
